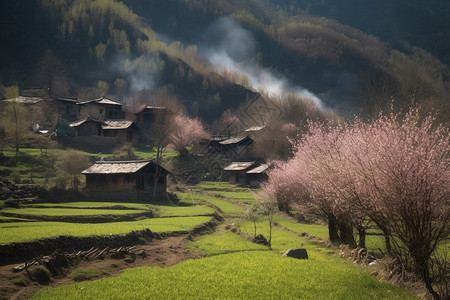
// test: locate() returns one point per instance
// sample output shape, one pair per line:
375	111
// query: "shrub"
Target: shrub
15	177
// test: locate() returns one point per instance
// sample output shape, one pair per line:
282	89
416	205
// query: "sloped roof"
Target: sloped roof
101	100
144	106
120	167
234	140
258	170
122	124
25	100
81	122
254	128
239	166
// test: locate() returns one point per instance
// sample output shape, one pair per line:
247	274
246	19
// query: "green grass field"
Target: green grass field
69	211
220	186
85	205
241	275
27	231
225	206
223	241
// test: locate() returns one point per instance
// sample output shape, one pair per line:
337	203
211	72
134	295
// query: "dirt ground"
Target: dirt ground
160	253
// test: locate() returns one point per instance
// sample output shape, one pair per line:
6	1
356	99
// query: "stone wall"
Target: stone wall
17	191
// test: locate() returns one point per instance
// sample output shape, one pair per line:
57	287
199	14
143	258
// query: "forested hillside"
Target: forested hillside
214	55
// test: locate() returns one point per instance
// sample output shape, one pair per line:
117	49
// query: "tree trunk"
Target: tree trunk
346	233
333	229
155	179
362	237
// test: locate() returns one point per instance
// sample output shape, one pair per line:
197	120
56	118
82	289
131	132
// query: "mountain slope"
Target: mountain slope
184	46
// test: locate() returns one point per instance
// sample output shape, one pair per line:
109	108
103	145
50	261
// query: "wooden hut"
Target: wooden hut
87	127
123	131
125	180
255	176
237	171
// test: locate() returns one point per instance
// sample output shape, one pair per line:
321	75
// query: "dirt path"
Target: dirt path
160	253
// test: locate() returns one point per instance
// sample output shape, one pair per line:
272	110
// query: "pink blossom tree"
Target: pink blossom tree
394	170
402	169
186	132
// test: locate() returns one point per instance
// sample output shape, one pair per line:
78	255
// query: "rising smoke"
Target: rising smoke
141	73
229	46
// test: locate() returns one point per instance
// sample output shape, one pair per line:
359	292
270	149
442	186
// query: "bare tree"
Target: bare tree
73	162
15	120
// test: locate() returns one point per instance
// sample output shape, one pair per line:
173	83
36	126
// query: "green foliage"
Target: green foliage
15	176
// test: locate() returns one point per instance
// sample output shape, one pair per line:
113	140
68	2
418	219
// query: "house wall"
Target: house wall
92	110
124	187
88	128
123	135
237	177
254	180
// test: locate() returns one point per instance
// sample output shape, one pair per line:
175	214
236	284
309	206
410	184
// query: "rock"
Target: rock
260	239
6	190
300	253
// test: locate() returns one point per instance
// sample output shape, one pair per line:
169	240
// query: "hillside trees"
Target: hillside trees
394	171
15	117
72	162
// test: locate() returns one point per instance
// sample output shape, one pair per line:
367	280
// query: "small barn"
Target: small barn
237	171
147	114
125	180
123	131
255	176
87	127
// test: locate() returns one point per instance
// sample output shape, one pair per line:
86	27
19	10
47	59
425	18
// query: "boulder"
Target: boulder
296	253
260	239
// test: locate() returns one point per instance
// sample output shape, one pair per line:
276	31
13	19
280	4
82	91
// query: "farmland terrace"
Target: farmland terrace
205	234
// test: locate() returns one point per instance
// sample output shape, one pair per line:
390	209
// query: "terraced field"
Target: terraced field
231	266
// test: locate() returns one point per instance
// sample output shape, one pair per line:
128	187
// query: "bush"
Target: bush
15	177
19	281
40	275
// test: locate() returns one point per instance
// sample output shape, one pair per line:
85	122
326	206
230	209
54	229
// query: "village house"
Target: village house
87	127
237	171
247	173
123	131
231	147
148	114
255	176
125	180
72	109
